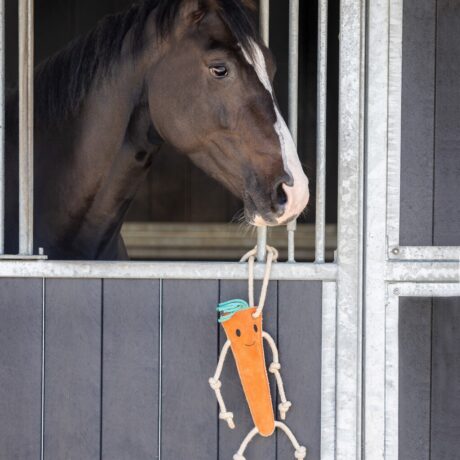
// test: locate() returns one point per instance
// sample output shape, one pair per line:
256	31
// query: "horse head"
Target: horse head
210	94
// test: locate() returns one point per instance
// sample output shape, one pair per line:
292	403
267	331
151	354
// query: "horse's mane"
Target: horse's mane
63	80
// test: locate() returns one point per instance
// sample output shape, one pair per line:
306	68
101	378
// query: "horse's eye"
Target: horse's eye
218	71
255	328
238	333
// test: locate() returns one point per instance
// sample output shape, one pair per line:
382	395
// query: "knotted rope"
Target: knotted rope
250	256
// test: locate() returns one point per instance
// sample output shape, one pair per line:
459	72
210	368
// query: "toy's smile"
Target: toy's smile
250	345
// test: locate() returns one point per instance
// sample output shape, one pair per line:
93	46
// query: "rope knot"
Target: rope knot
274	367
228	417
215	384
238	457
300	453
283	408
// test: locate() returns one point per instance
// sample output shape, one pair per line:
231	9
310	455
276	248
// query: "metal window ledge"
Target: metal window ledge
164	270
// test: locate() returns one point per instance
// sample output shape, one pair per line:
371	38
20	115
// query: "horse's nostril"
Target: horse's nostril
281	197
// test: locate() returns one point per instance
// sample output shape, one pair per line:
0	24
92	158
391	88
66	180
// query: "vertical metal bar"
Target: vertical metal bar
350	229
328	371
391	379
264	20
26	112
293	98
382	27
42	377
291	229
261	243
293	66
320	221
2	126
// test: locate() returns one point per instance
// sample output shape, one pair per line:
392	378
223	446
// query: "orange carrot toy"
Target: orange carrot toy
243	327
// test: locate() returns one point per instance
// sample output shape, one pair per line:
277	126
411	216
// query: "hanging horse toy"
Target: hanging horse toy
242	323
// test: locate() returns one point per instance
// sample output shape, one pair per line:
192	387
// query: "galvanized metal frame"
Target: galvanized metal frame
390	270
394	249
349	257
391	401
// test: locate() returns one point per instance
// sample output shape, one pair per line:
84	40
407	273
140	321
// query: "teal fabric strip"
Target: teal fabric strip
229	308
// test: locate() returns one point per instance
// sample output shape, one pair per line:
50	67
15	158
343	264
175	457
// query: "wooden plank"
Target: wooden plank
230	440
418	109
415	378
189	350
447	159
20	368
130	369
445	403
299	343
72	369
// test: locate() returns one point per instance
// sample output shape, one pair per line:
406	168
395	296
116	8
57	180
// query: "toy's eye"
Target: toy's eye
255	328
238	333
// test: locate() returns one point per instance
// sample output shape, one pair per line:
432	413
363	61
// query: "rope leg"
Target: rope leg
300	451
244	444
216	385
274	368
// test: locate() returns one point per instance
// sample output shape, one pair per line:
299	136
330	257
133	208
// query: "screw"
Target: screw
396	291
395	251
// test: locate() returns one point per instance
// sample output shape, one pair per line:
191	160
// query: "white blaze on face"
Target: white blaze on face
297	195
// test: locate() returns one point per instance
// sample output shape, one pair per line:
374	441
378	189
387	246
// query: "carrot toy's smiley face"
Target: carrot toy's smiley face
244	329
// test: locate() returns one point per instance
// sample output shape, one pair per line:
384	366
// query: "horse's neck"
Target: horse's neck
97	179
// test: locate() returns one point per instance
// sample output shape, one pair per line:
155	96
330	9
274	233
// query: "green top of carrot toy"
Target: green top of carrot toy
229	308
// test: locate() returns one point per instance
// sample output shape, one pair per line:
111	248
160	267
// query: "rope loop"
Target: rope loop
250	256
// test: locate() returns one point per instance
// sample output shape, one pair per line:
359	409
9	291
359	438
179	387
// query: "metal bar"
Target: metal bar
328	352
42	377
26	109
264	21
261	243
428	253
394	121
291	229
293	66
421	272
424	290
350	228
2	126
320	219
163	270
375	294
293	99
390	389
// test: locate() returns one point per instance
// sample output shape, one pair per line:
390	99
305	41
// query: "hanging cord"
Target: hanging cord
272	256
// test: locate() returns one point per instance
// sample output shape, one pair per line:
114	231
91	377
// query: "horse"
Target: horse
192	74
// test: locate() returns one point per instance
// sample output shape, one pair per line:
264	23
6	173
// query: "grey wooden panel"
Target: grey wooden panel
415	378
418	109
20	368
445	404
230	440
189	350
299	343
130	369
447	167
72	369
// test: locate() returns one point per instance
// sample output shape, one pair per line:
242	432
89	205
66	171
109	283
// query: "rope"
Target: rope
275	368
272	256
300	451
216	385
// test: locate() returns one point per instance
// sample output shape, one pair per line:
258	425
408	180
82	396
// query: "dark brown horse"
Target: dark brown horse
190	73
